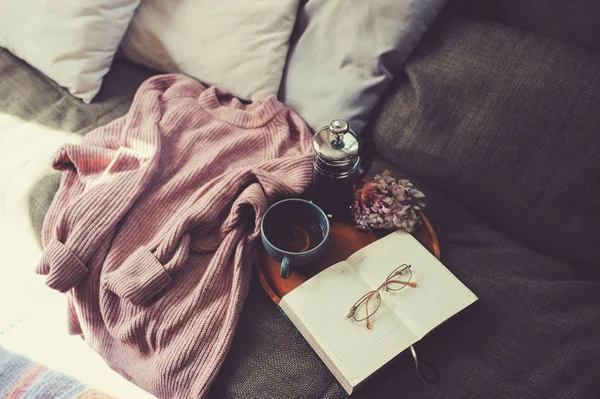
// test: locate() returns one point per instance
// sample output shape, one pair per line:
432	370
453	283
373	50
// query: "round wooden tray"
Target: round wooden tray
344	240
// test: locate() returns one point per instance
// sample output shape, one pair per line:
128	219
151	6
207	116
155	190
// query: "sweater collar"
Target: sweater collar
226	108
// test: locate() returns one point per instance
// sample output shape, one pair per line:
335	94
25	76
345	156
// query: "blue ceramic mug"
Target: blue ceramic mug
294	231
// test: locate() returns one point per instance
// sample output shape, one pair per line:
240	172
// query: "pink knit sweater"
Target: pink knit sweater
151	231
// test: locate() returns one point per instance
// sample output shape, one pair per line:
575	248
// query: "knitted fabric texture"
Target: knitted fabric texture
151	231
22	378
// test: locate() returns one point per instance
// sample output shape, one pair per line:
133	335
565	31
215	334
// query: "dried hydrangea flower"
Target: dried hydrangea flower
384	203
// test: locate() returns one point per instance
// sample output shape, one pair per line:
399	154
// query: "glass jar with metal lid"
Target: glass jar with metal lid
336	168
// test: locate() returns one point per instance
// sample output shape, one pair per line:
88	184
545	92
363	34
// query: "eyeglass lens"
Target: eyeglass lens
367	306
399	278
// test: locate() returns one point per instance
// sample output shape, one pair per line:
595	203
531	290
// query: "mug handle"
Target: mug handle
286	268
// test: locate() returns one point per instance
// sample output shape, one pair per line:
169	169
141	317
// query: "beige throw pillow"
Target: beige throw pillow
239	46
71	42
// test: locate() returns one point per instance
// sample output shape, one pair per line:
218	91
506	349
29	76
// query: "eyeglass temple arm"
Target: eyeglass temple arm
368	320
409	283
353	309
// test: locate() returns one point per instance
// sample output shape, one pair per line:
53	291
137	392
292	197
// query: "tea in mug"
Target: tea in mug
295	234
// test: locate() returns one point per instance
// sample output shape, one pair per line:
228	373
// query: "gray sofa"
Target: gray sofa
496	116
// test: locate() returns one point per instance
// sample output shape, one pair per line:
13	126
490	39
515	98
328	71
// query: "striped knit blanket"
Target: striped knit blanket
21	378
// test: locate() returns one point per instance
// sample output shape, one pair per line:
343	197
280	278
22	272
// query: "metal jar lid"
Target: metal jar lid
337	144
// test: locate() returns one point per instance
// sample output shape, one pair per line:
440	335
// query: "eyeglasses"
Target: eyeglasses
368	304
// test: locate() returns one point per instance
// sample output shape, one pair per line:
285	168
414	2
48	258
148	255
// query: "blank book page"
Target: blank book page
322	303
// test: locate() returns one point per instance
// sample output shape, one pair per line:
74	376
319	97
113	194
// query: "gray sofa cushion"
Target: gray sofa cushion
574	21
30	95
507	124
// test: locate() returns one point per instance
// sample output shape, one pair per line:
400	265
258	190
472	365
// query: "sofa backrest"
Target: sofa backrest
574	21
508	124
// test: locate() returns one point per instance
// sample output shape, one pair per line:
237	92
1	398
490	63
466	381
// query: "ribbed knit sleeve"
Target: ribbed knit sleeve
102	177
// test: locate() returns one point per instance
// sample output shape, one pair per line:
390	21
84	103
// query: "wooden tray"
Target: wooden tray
344	240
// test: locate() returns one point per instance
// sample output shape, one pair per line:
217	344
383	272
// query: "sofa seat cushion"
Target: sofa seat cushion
506	123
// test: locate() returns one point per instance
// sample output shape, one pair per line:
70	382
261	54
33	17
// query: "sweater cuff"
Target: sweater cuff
64	270
139	278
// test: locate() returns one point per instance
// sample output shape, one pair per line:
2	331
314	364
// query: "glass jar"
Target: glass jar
335	168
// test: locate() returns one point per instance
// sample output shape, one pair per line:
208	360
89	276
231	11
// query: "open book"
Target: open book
318	307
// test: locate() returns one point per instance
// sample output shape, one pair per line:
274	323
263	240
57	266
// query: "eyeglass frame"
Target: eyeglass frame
365	298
